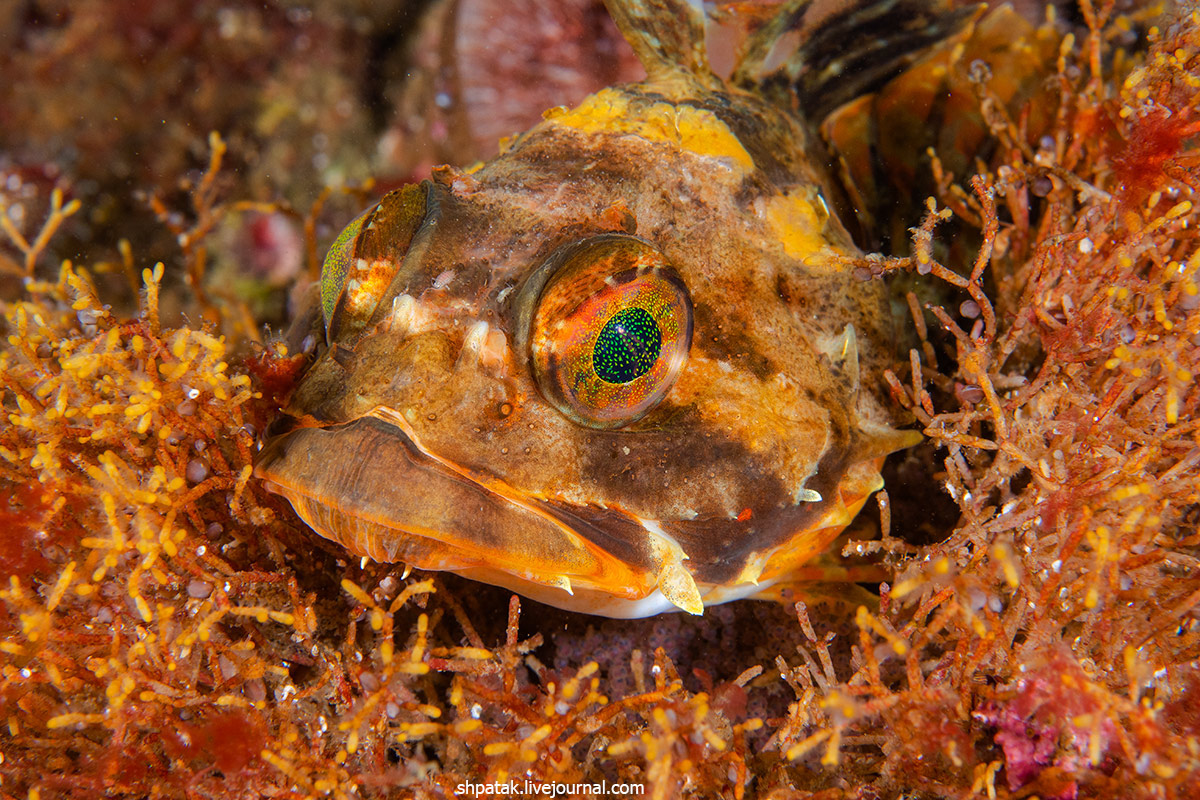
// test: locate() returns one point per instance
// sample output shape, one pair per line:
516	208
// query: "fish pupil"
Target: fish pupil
628	346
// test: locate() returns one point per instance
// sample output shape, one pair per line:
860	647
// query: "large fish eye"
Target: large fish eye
611	330
365	257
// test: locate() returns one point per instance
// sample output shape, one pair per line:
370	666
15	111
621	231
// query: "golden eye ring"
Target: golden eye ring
610	330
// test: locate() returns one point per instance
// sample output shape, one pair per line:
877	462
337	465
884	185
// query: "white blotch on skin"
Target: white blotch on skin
410	316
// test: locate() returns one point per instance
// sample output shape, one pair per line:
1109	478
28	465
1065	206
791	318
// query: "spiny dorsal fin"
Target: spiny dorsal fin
850	52
666	35
758	46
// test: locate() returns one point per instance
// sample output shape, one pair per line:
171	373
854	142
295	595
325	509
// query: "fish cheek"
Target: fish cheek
720	336
660	473
414	372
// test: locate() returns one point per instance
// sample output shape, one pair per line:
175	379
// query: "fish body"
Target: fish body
621	368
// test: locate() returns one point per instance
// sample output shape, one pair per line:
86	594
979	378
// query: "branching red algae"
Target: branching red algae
169	630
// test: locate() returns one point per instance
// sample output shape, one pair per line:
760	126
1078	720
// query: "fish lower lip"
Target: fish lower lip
371	487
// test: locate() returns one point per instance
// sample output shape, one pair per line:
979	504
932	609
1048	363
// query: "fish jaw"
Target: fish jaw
371	486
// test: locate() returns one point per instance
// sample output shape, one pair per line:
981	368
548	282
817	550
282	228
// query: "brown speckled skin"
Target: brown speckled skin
764	408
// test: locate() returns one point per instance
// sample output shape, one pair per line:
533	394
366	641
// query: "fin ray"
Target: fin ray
666	35
847	54
758	46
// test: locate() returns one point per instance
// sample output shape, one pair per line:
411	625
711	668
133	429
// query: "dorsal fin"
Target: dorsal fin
759	44
850	52
666	35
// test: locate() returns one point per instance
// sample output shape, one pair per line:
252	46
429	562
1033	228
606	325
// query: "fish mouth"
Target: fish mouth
372	487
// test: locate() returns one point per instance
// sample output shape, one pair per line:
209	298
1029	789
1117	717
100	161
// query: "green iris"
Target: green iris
627	347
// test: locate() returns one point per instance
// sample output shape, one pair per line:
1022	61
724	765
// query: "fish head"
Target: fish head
617	368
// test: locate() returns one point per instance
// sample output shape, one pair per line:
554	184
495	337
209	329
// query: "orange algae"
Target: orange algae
1159	115
230	740
178	634
24	509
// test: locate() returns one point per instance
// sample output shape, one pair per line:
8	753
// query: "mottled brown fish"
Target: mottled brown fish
620	368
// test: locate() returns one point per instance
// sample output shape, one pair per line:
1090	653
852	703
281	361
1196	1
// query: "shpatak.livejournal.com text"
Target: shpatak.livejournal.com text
524	788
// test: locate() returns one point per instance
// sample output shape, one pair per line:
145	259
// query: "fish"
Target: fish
624	367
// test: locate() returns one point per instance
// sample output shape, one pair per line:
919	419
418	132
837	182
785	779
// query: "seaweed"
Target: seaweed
169	629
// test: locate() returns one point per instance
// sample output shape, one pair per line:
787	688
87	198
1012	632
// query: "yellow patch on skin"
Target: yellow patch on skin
785	413
692	129
800	221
